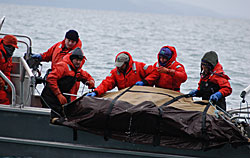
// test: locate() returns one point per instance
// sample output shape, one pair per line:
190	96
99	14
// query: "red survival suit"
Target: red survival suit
216	81
136	71
5	67
64	78
171	81
58	51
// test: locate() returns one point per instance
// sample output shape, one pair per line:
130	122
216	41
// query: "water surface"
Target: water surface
106	33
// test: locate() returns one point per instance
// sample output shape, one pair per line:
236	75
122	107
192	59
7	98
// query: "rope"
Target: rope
217	113
47	103
217	107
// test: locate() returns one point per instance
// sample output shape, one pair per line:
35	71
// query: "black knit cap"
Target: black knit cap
76	54
72	35
210	57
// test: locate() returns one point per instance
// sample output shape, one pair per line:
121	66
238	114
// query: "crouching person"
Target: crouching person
65	78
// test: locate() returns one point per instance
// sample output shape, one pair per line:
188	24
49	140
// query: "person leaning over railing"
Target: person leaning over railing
56	53
7	48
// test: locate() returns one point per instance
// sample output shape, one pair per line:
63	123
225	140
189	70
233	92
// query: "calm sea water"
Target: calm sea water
106	33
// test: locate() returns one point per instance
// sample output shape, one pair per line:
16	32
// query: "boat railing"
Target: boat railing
244	93
242	113
1	22
28	45
237	115
22	76
13	89
31	76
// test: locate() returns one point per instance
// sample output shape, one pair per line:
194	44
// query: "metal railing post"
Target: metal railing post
13	89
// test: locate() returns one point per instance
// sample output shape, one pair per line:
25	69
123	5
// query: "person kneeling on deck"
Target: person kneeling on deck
126	74
213	84
64	78
7	48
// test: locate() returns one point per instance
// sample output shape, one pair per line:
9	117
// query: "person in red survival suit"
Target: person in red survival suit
7	48
56	53
126	74
171	74
65	78
213	84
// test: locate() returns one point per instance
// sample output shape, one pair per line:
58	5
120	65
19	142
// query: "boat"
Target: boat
26	130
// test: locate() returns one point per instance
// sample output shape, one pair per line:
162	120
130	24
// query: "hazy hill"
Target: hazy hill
148	6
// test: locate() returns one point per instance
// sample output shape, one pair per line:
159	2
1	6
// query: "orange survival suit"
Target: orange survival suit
64	78
58	51
136	71
171	81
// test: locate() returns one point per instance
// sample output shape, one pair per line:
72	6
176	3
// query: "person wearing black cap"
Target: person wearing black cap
65	79
213	84
60	49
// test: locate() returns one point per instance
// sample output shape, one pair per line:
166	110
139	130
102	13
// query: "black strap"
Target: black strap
203	127
107	132
218	74
204	114
176	89
157	135
125	73
175	99
156	141
151	93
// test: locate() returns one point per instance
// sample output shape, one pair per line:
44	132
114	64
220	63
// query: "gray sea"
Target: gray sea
106	33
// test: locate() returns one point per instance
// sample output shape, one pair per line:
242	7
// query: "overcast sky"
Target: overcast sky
220	8
234	8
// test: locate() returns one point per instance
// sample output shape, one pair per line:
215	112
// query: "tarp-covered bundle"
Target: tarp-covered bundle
155	116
